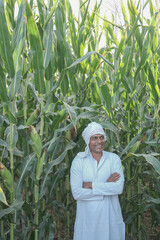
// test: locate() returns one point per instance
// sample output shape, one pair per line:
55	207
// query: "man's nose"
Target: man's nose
99	139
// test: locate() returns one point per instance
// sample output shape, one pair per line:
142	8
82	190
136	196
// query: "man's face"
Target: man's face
97	143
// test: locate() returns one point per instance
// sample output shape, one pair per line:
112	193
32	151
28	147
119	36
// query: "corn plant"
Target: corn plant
55	79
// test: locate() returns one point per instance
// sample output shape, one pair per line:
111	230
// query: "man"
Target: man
96	181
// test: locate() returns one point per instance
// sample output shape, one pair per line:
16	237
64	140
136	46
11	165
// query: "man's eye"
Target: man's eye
94	138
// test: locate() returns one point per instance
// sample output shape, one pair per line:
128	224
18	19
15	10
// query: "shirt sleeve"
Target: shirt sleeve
76	181
111	188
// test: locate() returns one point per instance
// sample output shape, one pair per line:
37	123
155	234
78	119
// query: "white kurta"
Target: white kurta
98	215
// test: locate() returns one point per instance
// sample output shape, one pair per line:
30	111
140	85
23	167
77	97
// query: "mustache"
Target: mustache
99	144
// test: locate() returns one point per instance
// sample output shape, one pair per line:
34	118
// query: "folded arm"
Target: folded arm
113	185
78	191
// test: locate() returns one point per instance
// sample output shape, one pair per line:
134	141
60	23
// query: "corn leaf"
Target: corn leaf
72	113
122	70
5	46
36	140
153	85
17	59
72	27
39	167
41	6
151	160
10	13
51	13
95	93
130	144
79	60
16	205
27	167
3	89
48	39
52	163
65	85
37	51
107	97
7	177
108	125
3	197
124	12
18	27
132	31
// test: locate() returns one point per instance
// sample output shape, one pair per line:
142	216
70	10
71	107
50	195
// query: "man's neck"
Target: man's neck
97	156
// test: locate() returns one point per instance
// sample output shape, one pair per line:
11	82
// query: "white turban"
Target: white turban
92	129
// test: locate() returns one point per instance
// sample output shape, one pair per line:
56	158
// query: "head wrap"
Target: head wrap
92	129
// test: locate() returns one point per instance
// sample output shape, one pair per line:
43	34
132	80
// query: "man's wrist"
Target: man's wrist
87	185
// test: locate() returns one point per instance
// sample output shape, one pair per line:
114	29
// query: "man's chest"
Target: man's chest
96	172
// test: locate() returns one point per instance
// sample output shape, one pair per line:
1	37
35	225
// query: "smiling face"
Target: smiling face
97	144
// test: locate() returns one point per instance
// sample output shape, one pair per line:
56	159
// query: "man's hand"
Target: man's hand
114	177
87	185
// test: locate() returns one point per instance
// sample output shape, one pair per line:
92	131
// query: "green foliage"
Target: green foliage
55	79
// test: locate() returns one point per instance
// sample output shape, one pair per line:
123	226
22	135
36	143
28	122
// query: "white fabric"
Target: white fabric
98	215
92	129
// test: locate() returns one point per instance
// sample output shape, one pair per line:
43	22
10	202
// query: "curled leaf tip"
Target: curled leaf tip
1	166
38	111
29	130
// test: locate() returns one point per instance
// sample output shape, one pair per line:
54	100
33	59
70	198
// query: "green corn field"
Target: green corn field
55	79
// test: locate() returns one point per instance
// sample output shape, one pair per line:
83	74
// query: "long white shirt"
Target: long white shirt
98	215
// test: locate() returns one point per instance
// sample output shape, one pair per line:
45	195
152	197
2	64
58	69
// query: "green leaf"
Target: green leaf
19	23
33	117
16	205
130	144
39	168
124	12
41	7
59	117
26	168
37	51
135	26
122	70
154	142
72	113
153	200
57	176
10	13
37	145
2	143
3	197
52	163
107	97
8	113
111	32
87	115
110	126
5	46
60	51
65	85
71	22
17	59
48	39
121	46
51	13
3	88
153	85
95	93
87	55
7	177
151	160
